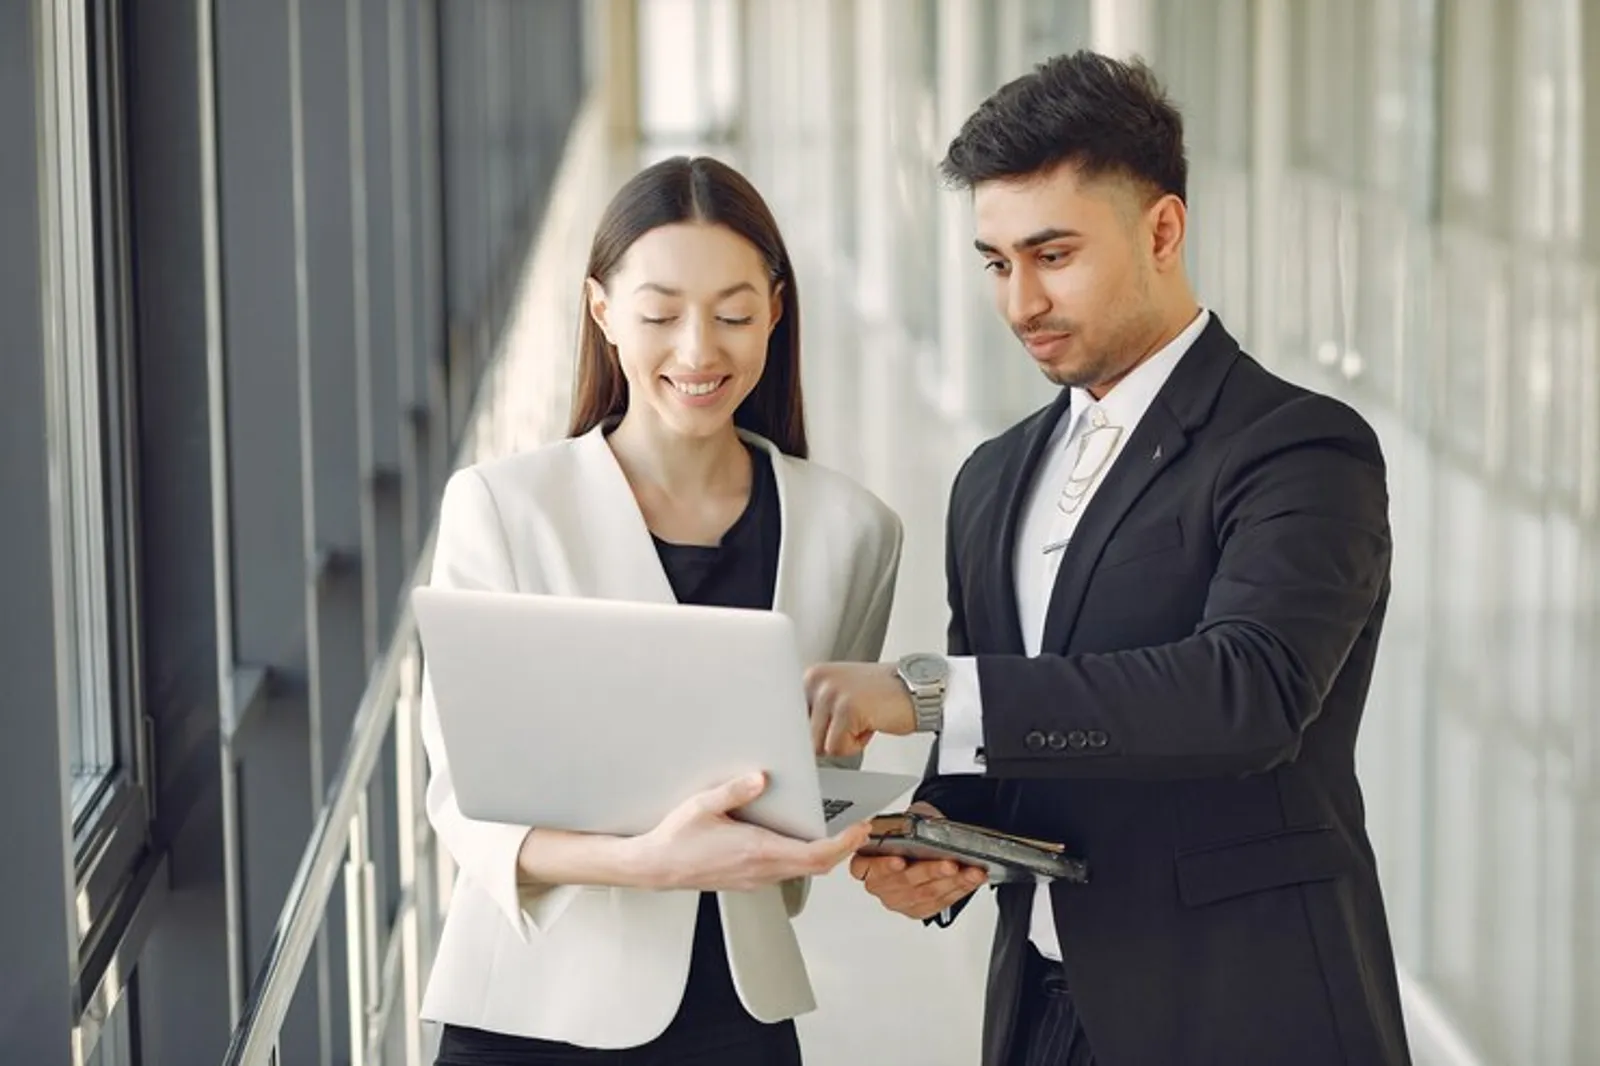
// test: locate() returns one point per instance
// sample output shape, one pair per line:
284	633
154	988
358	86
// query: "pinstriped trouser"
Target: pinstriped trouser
1049	1032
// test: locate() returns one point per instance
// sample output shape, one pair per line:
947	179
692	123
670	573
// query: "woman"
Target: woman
684	479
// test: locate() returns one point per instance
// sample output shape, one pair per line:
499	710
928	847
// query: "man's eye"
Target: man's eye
995	266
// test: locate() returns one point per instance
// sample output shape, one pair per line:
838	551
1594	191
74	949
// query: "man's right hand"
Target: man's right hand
917	889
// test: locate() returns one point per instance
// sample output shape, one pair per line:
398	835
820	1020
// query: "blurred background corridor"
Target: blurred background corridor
270	269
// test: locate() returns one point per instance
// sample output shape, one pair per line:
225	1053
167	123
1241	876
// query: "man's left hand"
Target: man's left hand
852	701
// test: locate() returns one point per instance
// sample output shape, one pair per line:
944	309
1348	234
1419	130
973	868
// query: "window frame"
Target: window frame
95	595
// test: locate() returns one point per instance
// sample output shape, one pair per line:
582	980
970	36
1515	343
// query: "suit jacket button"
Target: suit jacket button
1057	741
1078	739
1034	741
1097	739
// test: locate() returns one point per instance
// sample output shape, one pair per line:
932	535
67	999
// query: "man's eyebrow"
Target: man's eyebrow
1032	240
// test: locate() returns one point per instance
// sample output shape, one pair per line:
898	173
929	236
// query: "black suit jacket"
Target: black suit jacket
1190	725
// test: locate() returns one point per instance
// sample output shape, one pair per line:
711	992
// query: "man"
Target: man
1166	591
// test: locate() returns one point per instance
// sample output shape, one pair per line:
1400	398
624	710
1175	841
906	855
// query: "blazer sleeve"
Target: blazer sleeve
1301	515
471	553
864	635
861	640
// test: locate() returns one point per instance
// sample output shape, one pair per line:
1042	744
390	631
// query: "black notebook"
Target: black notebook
1007	858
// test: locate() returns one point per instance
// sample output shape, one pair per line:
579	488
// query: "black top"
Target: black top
740	571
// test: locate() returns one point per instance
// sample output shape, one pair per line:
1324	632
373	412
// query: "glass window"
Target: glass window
91	374
76	405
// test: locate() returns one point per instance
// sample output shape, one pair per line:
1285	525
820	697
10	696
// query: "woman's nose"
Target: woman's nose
695	343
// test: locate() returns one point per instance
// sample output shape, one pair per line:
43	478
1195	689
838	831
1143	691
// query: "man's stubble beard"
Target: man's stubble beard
1105	363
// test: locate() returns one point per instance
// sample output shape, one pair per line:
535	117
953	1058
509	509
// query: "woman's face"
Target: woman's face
689	311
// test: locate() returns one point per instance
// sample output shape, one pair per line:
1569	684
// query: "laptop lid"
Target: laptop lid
602	715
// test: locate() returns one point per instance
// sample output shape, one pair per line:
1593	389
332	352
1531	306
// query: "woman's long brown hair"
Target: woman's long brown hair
700	189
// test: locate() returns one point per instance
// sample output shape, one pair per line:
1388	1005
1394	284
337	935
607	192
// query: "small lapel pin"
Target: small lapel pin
1155	456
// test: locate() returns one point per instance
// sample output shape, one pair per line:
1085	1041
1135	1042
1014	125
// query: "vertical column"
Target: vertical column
264	336
461	163
959	92
1121	28
874	37
338	318
1269	154
185	968
37	884
619	67
382	269
414	35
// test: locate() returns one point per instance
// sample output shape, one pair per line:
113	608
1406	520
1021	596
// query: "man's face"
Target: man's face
1071	265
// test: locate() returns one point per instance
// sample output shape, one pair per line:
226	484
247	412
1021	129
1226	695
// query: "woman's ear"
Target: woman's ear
598	307
777	306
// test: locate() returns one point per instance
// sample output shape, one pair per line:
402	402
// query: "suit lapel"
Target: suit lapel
613	536
1016	479
1182	405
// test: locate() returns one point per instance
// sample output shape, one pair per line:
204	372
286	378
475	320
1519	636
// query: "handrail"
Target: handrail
256	1035
500	419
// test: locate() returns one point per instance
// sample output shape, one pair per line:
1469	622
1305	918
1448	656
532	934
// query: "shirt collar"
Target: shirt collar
1129	398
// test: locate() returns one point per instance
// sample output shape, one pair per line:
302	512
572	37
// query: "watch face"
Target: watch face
924	670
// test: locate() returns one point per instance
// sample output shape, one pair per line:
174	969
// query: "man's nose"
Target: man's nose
1026	299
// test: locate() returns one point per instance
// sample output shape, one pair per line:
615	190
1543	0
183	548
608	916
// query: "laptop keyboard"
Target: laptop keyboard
831	809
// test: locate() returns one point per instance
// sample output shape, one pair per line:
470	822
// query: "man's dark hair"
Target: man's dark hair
1103	116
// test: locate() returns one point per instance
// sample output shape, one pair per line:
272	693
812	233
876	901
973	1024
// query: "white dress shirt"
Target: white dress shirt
1047	524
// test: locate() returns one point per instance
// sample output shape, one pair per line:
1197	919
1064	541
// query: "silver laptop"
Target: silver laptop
601	716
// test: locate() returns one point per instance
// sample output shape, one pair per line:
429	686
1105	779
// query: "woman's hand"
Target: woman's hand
698	846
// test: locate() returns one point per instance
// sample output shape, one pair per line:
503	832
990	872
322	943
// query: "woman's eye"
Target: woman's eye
647	320
745	321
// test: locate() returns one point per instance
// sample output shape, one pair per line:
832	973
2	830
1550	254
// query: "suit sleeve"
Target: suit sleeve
471	553
1301	516
961	797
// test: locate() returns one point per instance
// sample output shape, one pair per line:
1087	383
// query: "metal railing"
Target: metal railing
521	400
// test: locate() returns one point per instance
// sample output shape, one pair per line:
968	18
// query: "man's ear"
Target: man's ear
599	308
1169	225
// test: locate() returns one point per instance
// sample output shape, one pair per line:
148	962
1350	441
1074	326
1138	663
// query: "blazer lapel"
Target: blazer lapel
791	525
616	541
1016	479
1182	405
807	555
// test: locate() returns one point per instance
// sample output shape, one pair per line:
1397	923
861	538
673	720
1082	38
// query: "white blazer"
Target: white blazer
606	967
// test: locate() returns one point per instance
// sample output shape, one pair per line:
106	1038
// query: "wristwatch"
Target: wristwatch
926	677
